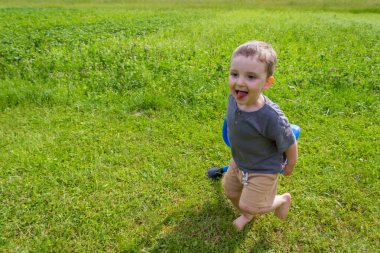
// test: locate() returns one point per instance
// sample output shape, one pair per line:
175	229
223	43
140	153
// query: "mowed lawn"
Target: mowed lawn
111	115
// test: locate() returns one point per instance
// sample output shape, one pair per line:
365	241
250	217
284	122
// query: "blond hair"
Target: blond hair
260	50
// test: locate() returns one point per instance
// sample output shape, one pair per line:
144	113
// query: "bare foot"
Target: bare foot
241	221
282	211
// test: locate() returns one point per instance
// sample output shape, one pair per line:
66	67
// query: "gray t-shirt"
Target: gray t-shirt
258	139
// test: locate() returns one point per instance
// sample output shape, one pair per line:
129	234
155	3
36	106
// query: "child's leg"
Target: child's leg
232	186
259	197
242	220
281	205
232	189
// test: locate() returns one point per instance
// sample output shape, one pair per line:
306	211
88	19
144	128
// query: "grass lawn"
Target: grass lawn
111	114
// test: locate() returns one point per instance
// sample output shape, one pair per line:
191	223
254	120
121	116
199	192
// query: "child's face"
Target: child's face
247	79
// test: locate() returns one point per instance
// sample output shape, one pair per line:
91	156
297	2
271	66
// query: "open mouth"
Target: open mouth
241	94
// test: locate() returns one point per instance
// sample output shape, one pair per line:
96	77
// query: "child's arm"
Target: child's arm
232	163
292	156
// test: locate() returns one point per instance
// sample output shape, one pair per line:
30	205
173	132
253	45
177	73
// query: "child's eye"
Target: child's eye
251	77
233	74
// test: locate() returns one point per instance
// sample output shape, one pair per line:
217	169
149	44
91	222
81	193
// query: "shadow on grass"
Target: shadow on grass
201	229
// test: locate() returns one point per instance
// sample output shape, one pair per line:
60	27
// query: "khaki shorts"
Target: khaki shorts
259	191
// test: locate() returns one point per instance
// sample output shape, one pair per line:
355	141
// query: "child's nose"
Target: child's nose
239	81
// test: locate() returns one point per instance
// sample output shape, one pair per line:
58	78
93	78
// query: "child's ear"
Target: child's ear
269	82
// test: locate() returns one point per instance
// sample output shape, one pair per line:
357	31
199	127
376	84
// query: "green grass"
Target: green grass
111	114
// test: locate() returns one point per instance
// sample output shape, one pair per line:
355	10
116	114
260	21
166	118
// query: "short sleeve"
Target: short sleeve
283	135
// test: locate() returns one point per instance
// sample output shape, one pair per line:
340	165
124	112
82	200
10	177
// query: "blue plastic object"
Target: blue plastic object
225	133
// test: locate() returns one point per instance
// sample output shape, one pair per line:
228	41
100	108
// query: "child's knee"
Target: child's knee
249	209
231	194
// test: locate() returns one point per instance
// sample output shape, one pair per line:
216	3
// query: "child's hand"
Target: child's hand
292	156
288	169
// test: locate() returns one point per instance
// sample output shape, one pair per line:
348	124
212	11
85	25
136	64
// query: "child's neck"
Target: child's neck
260	102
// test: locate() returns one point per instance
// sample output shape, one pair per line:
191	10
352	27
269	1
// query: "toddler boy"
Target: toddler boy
259	134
